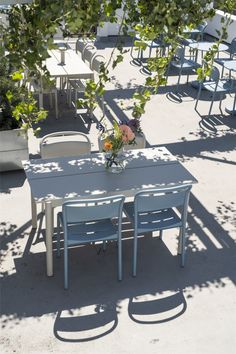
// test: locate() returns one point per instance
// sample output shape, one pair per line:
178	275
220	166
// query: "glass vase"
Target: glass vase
114	162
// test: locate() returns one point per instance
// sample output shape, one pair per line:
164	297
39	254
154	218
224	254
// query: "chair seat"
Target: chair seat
222	61
185	64
93	231
78	85
221	86
154	220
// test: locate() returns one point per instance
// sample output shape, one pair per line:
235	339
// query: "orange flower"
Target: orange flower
107	145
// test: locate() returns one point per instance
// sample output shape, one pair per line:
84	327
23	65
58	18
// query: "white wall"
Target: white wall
215	24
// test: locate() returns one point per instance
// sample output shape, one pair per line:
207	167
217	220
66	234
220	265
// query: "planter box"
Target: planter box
215	24
13	149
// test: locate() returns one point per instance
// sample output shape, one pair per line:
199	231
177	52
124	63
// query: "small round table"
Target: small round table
205	46
231	65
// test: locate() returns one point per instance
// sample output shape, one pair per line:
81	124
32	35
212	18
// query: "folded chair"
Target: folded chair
155	209
90	221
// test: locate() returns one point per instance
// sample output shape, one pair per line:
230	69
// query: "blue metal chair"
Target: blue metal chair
151	44
182	63
232	53
155	209
214	85
89	221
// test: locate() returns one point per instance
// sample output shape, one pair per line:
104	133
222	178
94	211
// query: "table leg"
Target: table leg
33	213
49	232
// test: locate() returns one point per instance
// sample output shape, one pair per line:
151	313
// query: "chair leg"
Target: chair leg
76	98
50	100
56	105
180	241
198	96
183	247
135	254
212	101
65	266
119	259
104	246
160	234
58	238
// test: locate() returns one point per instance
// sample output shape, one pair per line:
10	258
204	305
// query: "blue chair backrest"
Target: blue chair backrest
162	198
232	48
202	26
215	74
179	54
75	211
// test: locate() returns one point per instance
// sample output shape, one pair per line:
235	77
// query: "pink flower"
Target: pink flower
127	134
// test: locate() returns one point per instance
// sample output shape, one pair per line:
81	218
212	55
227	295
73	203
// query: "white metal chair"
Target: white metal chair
65	143
41	89
81	45
155	209
88	54
79	85
215	85
89	221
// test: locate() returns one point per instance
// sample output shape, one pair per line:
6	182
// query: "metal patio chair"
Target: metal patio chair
89	221
232	55
215	85
64	143
154	210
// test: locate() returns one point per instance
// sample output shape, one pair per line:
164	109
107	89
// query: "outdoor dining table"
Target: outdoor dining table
53	181
231	65
205	46
72	68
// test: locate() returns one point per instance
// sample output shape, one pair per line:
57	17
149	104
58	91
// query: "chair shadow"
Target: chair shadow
164	309
70	328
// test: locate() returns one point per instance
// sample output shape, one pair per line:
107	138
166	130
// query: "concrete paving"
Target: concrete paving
165	309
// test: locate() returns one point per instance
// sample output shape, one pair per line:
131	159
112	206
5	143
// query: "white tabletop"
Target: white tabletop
205	46
74	66
86	176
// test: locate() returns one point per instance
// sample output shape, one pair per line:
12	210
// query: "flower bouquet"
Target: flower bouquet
114	141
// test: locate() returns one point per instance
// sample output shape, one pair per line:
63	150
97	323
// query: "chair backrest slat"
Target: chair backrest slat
97	60
65	143
92	209
159	199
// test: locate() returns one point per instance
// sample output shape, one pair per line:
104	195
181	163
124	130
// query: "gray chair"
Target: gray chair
215	85
151	44
79	85
154	210
89	221
232	54
182	64
64	143
43	89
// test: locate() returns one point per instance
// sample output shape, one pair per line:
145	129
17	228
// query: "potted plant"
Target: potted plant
18	112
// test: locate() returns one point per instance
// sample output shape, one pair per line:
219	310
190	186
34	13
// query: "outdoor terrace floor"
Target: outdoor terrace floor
165	309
